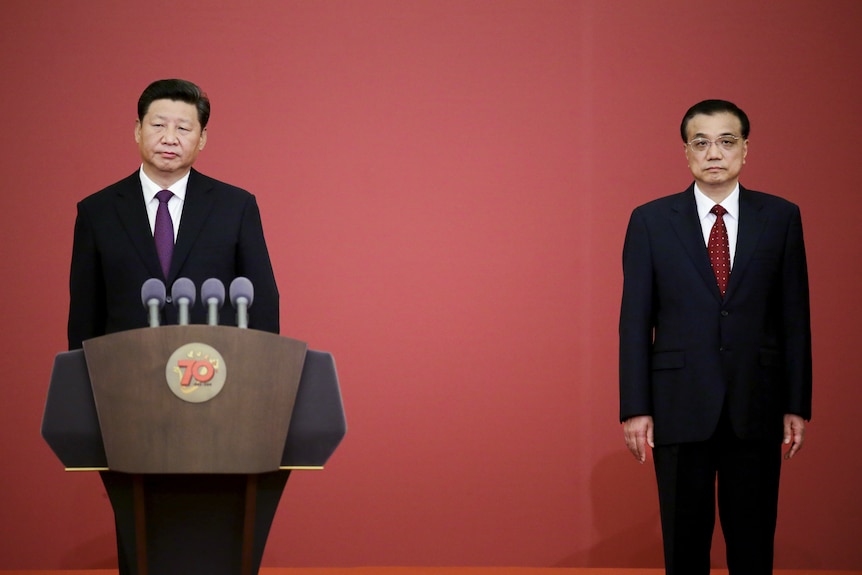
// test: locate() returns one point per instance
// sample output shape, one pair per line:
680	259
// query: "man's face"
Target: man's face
169	139
716	166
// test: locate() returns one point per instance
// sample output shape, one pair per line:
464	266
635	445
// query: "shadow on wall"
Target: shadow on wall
626	516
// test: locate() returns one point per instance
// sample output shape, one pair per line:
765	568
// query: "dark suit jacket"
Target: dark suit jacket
220	236
684	350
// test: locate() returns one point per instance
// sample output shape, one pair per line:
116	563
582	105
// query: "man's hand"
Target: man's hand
794	434
639	433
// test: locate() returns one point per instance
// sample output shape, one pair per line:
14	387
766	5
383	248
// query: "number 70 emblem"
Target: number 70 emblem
196	372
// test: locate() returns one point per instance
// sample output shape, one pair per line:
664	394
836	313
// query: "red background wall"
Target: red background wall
445	187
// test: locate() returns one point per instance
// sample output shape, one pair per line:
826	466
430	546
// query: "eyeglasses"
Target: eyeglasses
727	143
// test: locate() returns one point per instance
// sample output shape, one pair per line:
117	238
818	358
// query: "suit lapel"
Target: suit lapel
132	213
686	224
198	204
751	224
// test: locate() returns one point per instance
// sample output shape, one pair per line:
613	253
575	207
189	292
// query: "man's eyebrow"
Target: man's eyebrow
178	120
703	135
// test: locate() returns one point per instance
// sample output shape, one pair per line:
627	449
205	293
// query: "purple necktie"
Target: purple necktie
719	249
164	231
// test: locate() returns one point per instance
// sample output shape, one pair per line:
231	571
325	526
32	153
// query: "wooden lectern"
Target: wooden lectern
195	430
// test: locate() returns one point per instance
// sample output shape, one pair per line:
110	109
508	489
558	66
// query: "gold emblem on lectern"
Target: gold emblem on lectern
196	372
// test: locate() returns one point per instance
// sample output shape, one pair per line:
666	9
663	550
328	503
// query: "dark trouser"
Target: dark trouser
747	472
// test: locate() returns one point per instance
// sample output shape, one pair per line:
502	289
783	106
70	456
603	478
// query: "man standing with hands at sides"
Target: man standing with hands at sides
715	348
164	221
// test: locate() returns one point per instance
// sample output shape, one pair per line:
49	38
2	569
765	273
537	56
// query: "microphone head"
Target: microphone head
241	288
212	288
153	289
183	288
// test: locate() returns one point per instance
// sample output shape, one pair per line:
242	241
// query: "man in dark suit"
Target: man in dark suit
218	234
715	348
217	226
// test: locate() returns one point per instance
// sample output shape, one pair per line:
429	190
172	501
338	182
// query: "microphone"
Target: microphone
241	297
183	294
212	294
153	297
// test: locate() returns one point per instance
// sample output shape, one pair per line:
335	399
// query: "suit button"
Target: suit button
724	313
168	299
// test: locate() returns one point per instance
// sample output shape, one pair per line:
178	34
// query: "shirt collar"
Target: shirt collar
704	204
151	188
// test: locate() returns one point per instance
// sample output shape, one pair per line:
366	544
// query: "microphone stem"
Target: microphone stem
212	311
184	311
242	312
153	305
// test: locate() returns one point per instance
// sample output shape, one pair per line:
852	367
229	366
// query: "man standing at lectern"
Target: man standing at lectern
715	348
213	229
164	221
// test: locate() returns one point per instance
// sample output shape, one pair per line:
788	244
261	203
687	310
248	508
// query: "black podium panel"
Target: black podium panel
70	424
318	424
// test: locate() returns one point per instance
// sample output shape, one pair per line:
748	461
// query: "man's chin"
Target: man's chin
167	167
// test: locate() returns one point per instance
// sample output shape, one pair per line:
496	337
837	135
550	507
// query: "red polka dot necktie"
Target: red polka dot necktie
163	232
719	249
